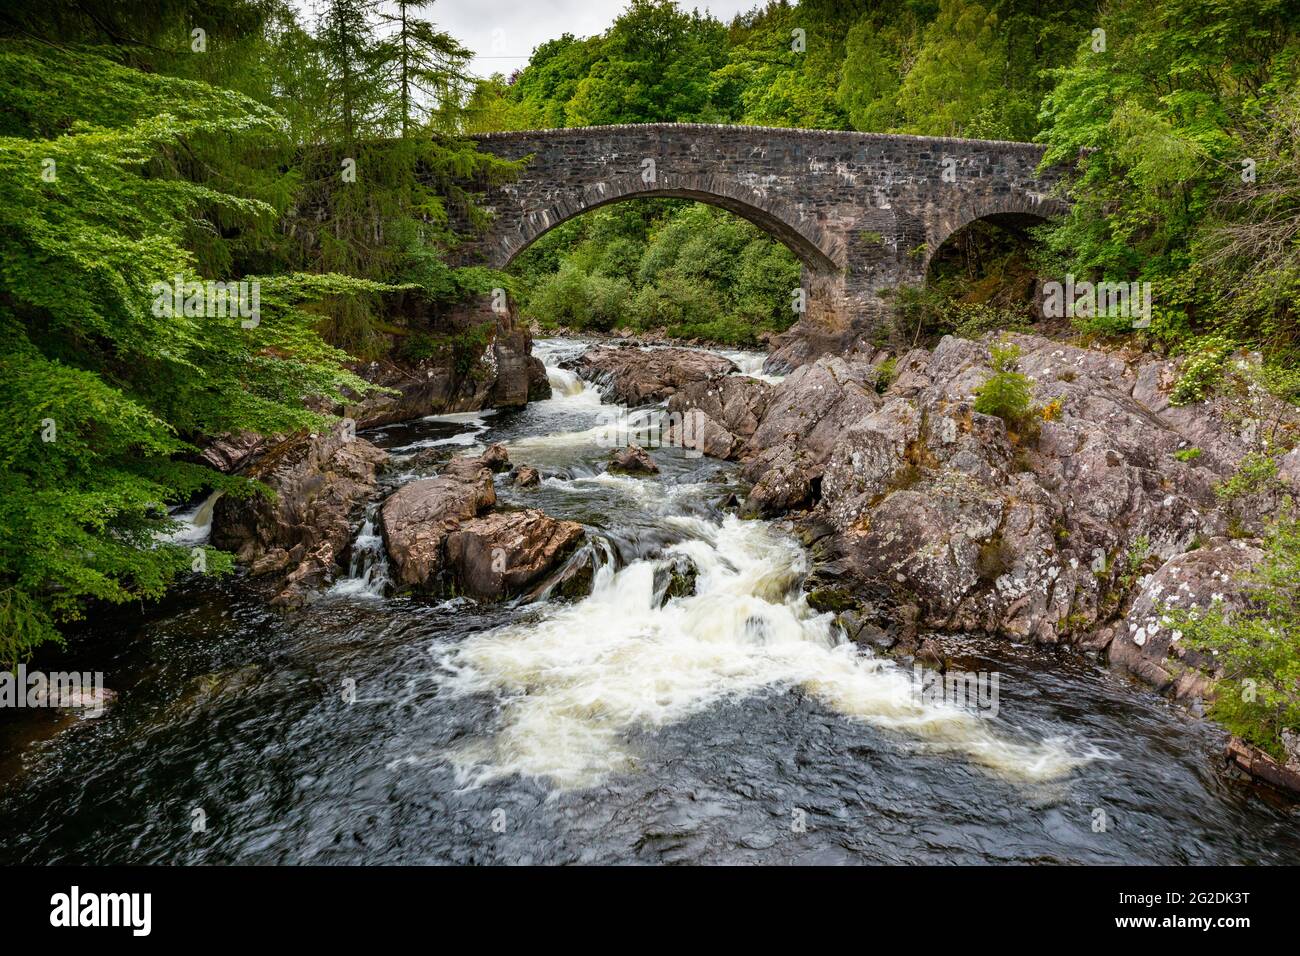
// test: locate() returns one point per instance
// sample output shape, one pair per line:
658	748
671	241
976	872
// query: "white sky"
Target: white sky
503	33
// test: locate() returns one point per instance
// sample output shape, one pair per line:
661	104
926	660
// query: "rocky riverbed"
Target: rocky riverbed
668	649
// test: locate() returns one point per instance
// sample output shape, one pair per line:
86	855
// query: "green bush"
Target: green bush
1201	372
572	299
1257	472
1006	393
674	303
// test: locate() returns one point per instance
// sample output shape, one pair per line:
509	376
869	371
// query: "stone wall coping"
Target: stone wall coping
819	133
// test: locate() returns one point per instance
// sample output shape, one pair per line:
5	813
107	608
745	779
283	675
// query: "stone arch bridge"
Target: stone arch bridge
863	212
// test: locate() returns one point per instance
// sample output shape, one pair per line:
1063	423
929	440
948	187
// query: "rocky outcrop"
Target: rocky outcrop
718	416
506	552
984	529
631	460
1147	643
442	536
229	453
320	483
500	373
803	419
632	376
952	519
416	519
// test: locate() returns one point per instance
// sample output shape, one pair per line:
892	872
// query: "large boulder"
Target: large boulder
416	519
736	402
504	553
804	417
695	431
321	482
1146	641
717	417
443	537
631	460
633	376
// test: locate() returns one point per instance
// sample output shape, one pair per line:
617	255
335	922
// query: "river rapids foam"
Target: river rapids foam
575	684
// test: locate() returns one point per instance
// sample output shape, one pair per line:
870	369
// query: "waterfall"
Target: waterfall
368	570
196	522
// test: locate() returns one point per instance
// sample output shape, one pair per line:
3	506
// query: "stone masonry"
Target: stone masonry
864	212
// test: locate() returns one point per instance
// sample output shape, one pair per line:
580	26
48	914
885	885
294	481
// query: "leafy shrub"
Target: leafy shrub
573	299
1257	472
886	372
1006	393
674	303
1201	371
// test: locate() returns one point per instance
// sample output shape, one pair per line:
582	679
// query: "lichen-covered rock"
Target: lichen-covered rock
695	431
1148	644
719	415
321	481
1038	531
810	410
503	553
633	376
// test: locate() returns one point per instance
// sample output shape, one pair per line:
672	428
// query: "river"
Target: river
731	725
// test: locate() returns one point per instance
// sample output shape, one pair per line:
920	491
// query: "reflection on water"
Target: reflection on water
631	726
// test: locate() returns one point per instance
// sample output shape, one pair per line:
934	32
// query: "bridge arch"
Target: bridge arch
775	216
1014	209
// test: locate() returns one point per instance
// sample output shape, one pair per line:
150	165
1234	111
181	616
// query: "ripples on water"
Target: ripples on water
616	729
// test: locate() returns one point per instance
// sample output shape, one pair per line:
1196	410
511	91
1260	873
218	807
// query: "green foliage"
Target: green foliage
1006	393
886	372
1183	132
687	268
1201	371
465	348
128	164
1187	454
1256	472
1259	647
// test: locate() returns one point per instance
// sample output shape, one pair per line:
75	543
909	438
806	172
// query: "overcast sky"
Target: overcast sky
503	33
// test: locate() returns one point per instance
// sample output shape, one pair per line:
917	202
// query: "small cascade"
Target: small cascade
368	570
564	382
580	679
196	522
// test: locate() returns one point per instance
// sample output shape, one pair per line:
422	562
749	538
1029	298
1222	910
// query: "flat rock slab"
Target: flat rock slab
633	376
